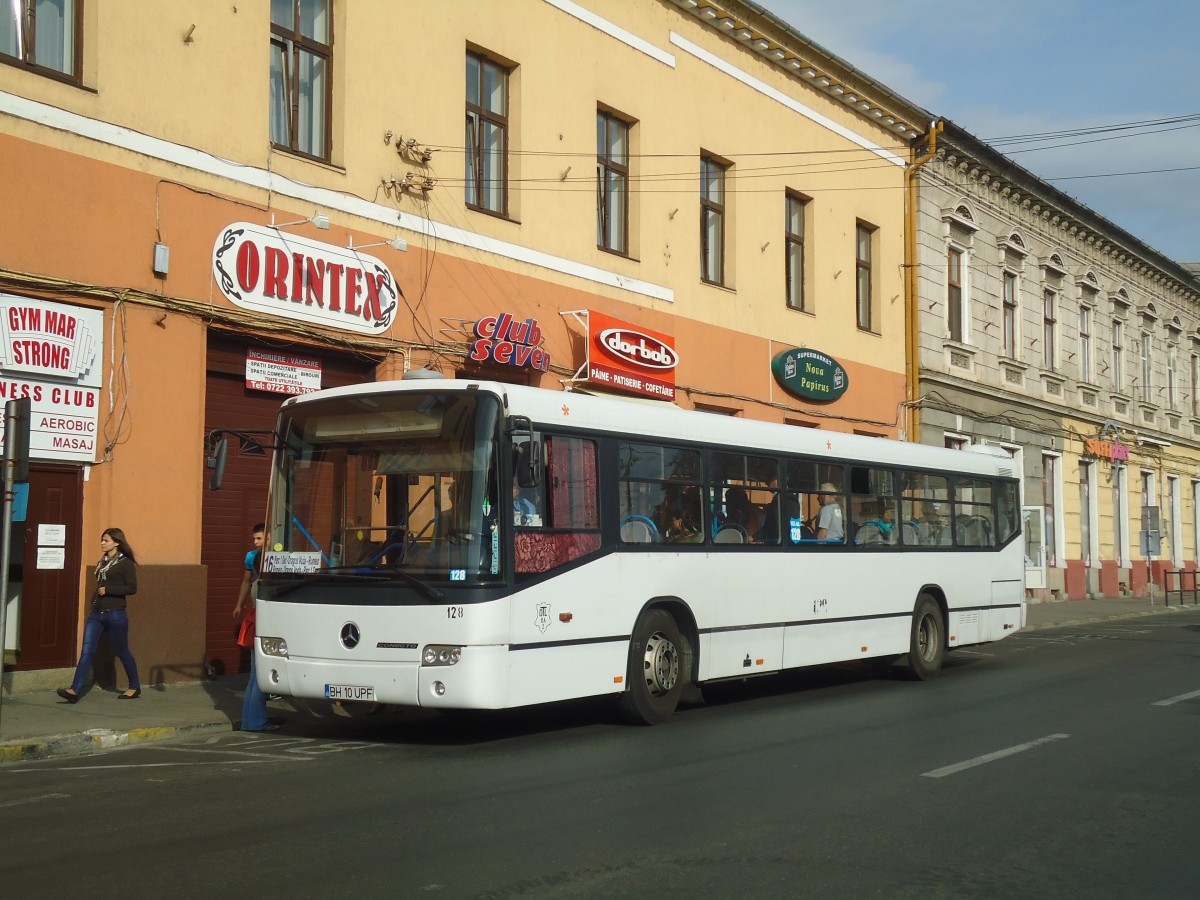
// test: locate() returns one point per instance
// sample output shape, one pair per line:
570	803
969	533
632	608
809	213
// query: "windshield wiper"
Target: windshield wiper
428	591
363	573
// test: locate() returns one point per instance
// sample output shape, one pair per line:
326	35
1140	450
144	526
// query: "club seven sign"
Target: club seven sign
810	374
291	277
50	353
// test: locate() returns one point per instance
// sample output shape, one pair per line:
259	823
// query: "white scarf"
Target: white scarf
105	564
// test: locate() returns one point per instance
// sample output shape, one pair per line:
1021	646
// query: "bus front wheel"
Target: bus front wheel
927	646
657	674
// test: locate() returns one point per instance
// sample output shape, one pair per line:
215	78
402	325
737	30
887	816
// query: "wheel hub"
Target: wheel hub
661	666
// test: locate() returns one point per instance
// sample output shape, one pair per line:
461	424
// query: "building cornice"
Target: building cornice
758	30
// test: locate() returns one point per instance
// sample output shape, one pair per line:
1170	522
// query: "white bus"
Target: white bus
469	545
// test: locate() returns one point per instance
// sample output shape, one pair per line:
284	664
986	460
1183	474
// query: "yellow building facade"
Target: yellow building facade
300	195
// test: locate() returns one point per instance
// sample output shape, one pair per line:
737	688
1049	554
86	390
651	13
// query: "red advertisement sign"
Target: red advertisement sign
626	357
503	340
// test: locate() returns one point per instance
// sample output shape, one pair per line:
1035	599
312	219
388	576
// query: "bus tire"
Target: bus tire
927	645
656	674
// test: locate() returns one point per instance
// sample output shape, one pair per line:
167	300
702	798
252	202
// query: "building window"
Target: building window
1086	513
1195	519
956	442
301	75
1172	386
1085	344
1146	346
864	292
1118	355
44	34
712	221
487	135
1050	499
1011	335
1049	329
794	240
612	183
955	293
1195	379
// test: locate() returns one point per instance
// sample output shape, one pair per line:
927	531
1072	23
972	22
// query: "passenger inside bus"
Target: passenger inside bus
740	516
881	528
830	524
678	516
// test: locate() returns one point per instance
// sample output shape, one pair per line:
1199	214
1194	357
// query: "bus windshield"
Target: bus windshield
381	487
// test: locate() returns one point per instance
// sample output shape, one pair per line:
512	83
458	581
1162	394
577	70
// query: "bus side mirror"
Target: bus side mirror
216	462
529	464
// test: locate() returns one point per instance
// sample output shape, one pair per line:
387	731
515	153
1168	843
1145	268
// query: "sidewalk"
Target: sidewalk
40	725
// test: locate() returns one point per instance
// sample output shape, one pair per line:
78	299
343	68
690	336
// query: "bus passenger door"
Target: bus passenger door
1035	546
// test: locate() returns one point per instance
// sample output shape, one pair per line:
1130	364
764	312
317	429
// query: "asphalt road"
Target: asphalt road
1058	763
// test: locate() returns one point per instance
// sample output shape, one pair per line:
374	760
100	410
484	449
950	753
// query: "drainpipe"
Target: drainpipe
911	329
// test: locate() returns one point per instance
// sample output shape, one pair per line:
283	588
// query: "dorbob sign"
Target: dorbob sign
810	374
291	277
627	357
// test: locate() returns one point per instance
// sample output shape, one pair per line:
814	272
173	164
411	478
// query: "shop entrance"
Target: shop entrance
49	537
230	513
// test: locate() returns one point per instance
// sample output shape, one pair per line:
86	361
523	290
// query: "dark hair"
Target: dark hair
258	526
123	547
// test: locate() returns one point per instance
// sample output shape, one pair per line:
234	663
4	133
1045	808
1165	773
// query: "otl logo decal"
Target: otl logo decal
542	621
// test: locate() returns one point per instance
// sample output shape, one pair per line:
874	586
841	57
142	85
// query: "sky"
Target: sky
1001	70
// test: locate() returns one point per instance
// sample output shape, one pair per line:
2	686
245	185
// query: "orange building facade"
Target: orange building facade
180	252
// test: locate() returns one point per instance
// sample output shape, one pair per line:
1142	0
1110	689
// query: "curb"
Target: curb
1132	614
84	742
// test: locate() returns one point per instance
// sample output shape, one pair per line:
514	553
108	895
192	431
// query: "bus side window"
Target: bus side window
660	496
820	501
568	524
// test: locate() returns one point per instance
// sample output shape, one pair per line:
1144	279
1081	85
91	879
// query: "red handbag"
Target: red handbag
246	633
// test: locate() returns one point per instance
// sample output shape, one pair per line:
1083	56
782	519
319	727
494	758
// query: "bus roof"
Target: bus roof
665	421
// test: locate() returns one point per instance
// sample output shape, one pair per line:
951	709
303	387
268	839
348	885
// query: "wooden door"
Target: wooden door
49	597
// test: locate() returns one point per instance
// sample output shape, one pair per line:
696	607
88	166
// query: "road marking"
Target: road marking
991	757
34	799
225	762
1171	700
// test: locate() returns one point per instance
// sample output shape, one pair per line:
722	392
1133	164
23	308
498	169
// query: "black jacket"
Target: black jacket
119	582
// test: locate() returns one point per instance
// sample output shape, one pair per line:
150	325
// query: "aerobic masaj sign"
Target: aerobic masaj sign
810	374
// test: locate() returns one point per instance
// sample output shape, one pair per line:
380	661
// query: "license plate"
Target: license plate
349	692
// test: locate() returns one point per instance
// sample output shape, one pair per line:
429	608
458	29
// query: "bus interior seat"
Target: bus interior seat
868	533
639	530
731	534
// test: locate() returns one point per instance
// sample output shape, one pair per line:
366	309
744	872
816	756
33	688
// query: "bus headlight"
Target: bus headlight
273	646
440	655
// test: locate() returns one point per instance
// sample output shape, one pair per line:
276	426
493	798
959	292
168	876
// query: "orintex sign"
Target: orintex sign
627	357
281	274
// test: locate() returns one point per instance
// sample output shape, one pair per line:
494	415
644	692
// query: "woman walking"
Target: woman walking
116	579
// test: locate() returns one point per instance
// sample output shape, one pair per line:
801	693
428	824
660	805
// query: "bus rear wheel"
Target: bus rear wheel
927	645
656	675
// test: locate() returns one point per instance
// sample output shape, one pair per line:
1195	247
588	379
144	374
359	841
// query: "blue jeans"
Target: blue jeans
254	706
116	623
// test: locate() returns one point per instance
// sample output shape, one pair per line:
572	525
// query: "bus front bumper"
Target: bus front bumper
476	681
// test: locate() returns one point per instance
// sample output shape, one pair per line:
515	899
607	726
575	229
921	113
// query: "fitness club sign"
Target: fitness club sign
625	357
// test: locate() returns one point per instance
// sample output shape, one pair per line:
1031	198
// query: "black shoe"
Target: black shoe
137	692
68	695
